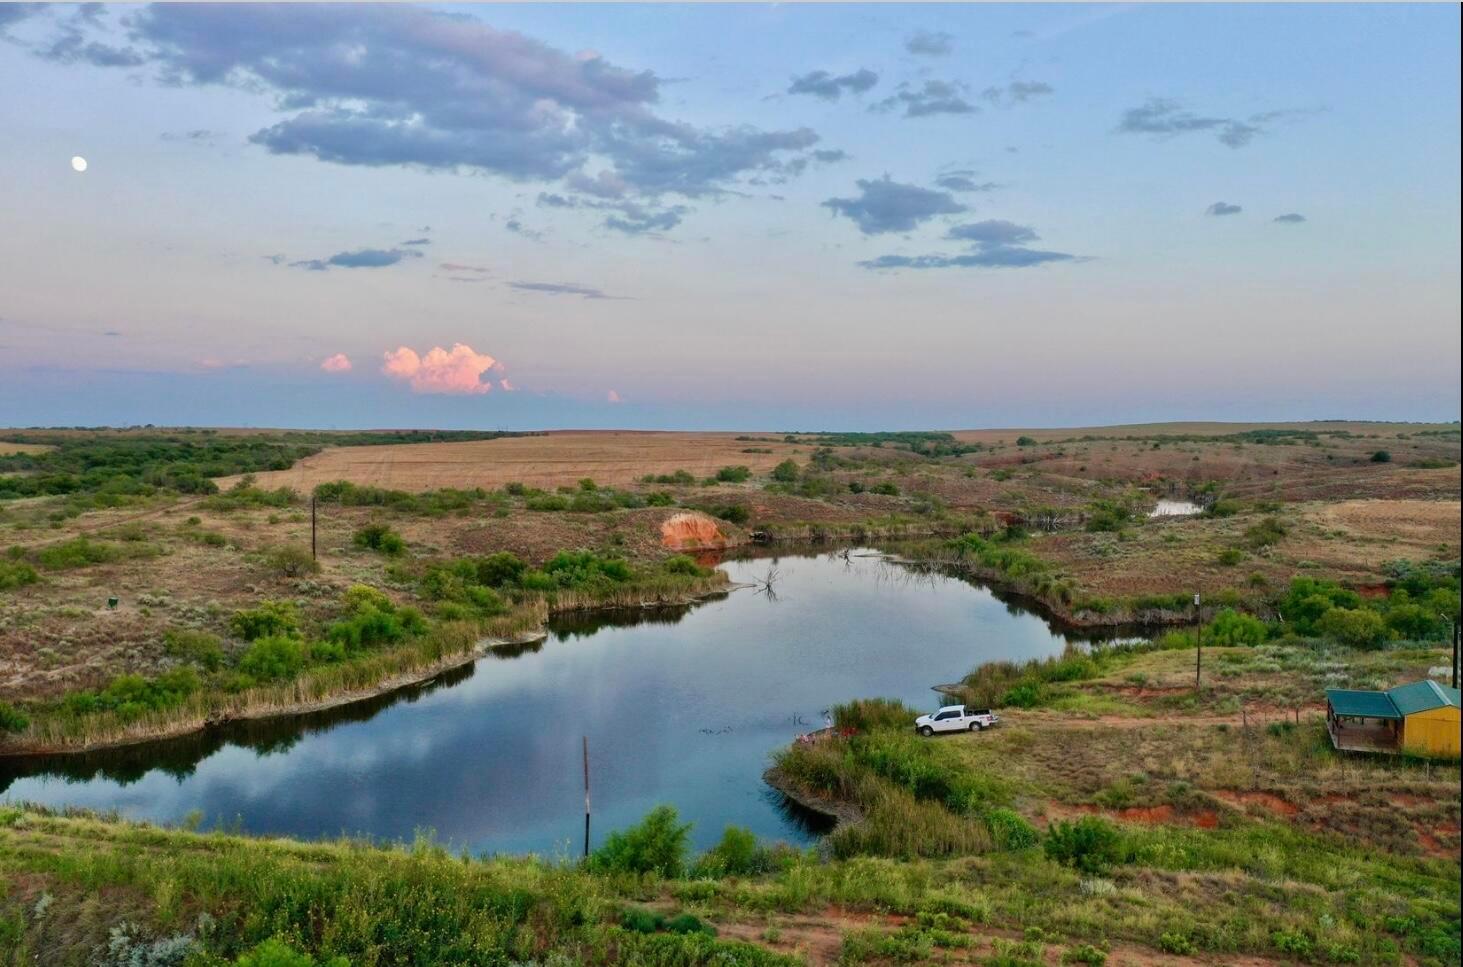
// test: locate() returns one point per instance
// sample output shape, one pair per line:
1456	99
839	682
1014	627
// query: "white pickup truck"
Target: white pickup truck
956	718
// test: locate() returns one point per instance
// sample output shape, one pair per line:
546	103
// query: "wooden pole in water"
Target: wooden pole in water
312	527
586	797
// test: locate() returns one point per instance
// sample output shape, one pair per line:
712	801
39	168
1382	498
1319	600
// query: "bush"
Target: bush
733	474
379	537
12	719
276	953
1090	844
14	574
1381	456
869	714
1265	533
737	854
575	569
785	472
735	513
1230	556
681	564
268	618
1229	627
1009	829
199	647
271	658
886	489
292	561
1354	627
656	845
77	552
131	695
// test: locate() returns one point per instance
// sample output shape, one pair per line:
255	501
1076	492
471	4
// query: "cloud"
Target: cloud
460	267
196	136
515	225
562	288
830	88
417	241
884	205
506	386
830	155
1290	218
365	258
964	181
339	363
1017	92
614	397
385	85
1166	118
926	43
994	244
623	215
1223	208
935	97
70	45
13	13
458	371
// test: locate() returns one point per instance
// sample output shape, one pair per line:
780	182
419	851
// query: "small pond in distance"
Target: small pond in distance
681	706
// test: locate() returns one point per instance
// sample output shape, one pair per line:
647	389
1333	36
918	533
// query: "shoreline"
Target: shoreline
841	813
383	687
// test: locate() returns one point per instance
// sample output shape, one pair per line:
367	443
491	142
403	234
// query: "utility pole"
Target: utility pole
312	527
1198	642
586	797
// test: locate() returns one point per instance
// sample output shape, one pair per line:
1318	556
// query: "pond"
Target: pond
681	706
1175	508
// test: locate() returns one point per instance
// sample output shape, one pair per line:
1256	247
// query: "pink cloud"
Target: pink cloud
506	386
339	363
440	371
614	397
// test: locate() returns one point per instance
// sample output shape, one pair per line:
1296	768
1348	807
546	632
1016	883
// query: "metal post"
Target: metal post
1455	652
586	797
1198	642
312	527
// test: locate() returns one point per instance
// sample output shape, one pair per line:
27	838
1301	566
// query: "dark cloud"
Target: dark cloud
934	97
624	216
460	267
13	13
1163	118
1290	218
830	88
417	241
830	155
964	180
70	45
196	136
1223	208
926	43
884	205
994	244
380	85
1016	92
562	288
515	225
365	258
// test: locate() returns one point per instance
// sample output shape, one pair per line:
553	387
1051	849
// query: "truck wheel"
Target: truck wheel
976	726
926	731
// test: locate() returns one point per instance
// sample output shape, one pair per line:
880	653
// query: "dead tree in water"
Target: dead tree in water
767	583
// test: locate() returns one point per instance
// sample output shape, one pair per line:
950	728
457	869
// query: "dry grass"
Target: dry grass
551	460
7	448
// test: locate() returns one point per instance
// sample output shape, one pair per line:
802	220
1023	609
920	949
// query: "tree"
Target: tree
785	472
1354	627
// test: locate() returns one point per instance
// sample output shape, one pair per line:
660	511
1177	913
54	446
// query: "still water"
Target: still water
682	706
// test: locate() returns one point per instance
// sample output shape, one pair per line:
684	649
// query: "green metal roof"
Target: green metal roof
1422	696
1373	705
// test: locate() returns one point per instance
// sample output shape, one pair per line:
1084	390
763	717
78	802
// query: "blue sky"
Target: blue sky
729	216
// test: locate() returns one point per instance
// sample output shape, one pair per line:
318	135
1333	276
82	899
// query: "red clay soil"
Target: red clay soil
1266	800
691	530
1161	814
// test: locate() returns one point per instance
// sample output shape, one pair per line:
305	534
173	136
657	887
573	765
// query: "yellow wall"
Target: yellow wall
1434	732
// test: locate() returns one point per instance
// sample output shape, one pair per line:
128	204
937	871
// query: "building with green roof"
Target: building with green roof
1421	718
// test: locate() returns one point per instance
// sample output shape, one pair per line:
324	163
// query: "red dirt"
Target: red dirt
691	530
1164	813
1266	800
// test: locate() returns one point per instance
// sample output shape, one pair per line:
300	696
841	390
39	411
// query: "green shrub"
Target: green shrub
1009	829
785	472
1381	456
733	474
577	569
77	552
1090	844
1265	533
379	537
886	489
14	574
12	719
131	695
737	854
1230	556
291	561
276	953
657	845
267	618
870	714
199	647
1353	627
684	565
1229	627
274	657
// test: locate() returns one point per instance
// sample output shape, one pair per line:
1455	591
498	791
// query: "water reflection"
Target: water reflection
681	705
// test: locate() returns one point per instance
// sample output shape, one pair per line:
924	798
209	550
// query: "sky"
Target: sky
748	216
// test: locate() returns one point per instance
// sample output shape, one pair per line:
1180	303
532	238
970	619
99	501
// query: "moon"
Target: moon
78	163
